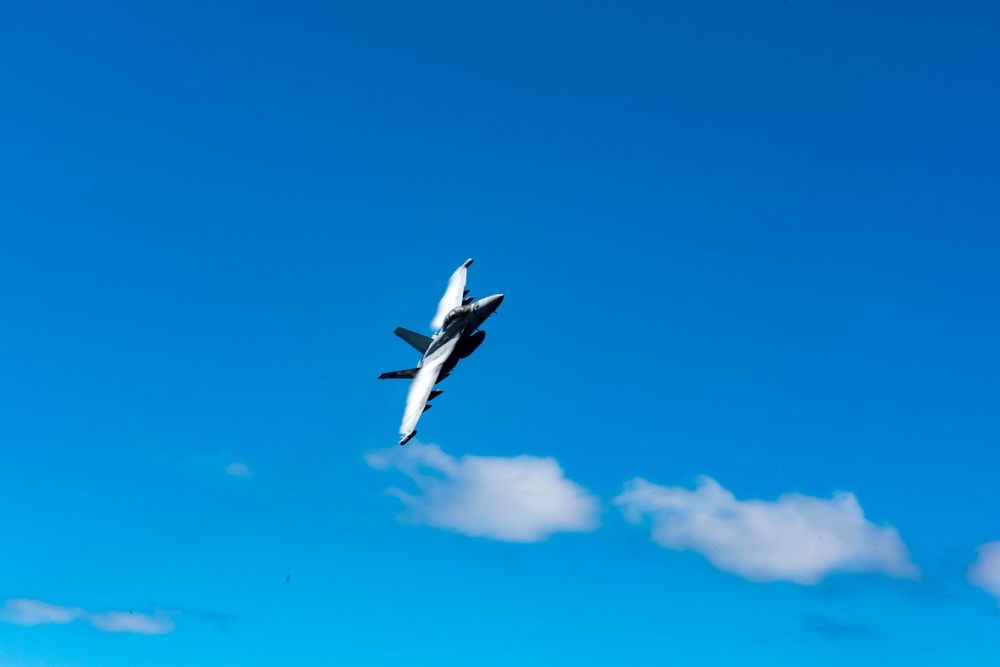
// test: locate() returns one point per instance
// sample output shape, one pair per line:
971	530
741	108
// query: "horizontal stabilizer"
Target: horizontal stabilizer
408	374
418	341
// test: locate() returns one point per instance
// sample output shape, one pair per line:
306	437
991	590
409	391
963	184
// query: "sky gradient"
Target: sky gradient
739	405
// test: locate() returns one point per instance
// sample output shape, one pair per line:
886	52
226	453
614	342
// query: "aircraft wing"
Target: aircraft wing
423	383
452	296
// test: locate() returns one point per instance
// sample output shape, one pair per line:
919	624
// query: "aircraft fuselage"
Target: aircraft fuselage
463	322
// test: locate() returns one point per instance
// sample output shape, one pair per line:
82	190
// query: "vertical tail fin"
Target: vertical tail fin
418	341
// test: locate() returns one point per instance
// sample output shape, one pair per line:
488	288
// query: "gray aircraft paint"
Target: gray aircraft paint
459	322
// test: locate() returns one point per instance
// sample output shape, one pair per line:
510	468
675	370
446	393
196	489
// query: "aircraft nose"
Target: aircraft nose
486	306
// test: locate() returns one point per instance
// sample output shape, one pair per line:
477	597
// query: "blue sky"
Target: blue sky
749	253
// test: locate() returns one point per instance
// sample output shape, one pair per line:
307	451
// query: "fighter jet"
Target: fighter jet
456	336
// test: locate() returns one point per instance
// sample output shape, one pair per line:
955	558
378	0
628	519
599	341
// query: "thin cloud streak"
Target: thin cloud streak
826	627
21	611
36	612
794	538
127	621
518	499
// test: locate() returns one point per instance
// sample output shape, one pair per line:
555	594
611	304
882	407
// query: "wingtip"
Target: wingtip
406	438
467	262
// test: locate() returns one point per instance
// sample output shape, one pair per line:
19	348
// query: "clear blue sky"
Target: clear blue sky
756	242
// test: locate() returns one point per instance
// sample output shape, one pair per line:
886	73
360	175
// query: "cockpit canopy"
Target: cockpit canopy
455	314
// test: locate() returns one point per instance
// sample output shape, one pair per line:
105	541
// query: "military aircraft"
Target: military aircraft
456	323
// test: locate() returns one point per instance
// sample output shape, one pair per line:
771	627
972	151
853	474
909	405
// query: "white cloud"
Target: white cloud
127	621
795	538
518	499
35	612
237	469
985	572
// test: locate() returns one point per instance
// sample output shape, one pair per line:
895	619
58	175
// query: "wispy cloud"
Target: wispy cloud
985	572
20	611
794	538
36	612
127	621
220	620
518	499
237	469
826	627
